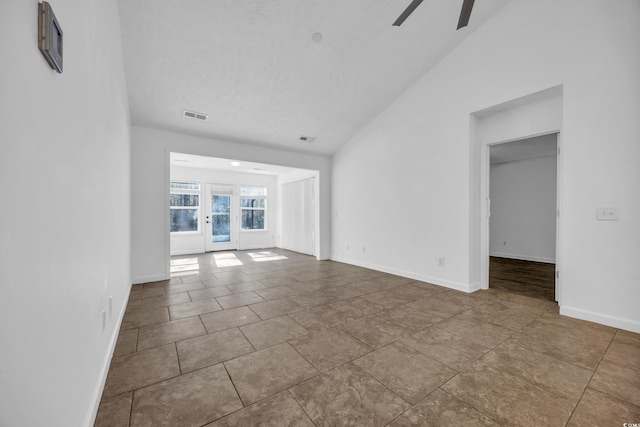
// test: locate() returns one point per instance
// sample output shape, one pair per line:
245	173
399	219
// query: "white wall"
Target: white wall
298	216
414	169
293	176
523	209
195	243
65	218
150	188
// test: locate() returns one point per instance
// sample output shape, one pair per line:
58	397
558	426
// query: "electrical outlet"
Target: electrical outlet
347	246
364	249
441	262
608	214
504	243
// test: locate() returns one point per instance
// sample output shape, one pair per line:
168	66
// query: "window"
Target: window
221	217
184	206
253	204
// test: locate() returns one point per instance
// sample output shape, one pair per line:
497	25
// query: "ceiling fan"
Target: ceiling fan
465	13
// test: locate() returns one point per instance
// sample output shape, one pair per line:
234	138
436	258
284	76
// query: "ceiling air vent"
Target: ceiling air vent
194	115
307	138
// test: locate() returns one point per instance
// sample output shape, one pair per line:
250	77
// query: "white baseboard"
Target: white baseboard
603	319
186	252
475	286
523	257
104	371
412	275
296	251
151	278
251	248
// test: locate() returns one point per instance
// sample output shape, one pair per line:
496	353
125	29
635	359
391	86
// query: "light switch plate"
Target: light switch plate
608	214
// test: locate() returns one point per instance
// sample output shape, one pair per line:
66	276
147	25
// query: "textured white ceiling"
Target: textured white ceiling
252	65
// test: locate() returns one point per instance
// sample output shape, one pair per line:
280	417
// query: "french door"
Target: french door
221	218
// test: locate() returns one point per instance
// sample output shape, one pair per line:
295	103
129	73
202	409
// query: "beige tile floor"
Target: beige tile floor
275	338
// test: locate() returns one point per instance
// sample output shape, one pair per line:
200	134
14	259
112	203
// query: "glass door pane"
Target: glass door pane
221	218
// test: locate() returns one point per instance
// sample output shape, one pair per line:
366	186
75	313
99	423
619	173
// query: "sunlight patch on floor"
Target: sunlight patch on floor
266	256
185	265
226	259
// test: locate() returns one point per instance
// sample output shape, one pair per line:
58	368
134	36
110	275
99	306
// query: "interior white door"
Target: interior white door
298	216
221	231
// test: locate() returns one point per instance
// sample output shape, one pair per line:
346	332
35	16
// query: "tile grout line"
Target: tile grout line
234	385
137	338
245	336
300	405
591	377
306	360
130	410
206	332
466	339
557	358
533	350
463	401
150	384
489	349
175	346
469	405
358	367
253	311
356	338
549	355
425	355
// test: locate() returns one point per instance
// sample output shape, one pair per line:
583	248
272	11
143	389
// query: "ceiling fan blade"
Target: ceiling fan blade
465	13
408	11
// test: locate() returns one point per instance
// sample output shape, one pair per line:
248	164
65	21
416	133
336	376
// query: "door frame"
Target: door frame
211	189
485	208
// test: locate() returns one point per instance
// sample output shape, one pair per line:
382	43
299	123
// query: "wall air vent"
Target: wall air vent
194	115
307	138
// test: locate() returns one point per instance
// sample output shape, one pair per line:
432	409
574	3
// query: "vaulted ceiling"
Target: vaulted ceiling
254	67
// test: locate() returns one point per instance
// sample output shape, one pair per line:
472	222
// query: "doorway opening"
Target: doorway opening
218	204
523	184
